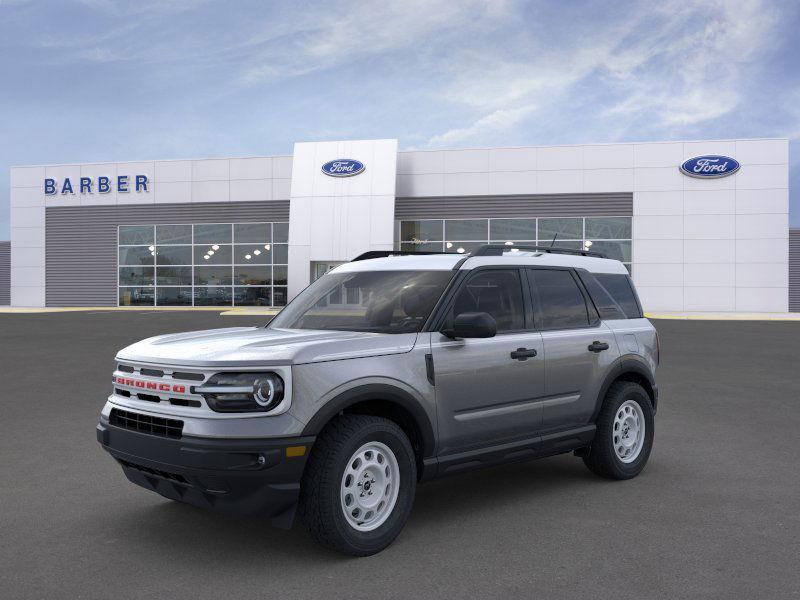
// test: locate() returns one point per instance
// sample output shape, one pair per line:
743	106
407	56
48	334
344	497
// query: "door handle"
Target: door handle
523	353
597	346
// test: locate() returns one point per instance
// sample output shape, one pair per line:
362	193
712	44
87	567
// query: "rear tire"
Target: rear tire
624	435
359	484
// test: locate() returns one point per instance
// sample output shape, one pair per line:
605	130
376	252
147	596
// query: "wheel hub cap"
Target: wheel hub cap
370	485
629	431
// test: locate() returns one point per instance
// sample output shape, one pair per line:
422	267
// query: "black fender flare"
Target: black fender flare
376	391
629	363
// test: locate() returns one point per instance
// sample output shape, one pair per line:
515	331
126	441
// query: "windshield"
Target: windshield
373	301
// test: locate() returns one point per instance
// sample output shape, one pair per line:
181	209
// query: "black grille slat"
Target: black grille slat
148	397
157	472
151	372
125	368
187	376
185	402
159	426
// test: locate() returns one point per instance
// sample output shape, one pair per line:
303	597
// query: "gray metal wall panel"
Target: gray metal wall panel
545	205
794	270
82	241
5	273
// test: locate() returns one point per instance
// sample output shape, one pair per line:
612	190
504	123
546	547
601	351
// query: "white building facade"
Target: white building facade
256	231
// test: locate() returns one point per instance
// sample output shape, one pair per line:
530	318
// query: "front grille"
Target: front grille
158	378
170	428
157	472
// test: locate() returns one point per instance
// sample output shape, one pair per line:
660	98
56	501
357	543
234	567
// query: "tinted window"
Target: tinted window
606	305
132	235
560	229
561	303
466	229
498	293
620	289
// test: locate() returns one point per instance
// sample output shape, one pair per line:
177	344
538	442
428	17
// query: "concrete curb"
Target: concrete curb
218	309
725	316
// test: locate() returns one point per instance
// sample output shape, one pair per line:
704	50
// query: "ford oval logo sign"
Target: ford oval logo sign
712	165
343	167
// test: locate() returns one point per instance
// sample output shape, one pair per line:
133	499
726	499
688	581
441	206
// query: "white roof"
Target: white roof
422	262
445	262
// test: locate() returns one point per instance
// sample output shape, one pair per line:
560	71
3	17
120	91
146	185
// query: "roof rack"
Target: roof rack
485	250
386	253
500	249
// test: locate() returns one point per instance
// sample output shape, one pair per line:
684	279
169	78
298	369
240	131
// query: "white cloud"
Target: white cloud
500	119
301	44
672	64
692	73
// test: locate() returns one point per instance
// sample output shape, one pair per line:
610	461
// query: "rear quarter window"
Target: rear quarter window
620	288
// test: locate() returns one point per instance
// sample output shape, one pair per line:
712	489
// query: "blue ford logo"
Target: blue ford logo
343	167
710	166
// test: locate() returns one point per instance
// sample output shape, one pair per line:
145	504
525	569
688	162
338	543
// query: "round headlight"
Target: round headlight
264	392
268	392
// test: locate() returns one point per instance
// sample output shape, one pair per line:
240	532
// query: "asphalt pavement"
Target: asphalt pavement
716	513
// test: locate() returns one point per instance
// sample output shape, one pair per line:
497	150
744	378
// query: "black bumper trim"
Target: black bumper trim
241	476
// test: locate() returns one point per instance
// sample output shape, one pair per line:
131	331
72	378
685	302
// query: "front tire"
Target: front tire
624	435
359	484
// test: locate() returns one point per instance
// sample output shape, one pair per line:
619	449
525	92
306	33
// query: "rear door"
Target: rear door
578	348
484	395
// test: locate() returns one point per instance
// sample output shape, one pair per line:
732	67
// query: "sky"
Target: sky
96	80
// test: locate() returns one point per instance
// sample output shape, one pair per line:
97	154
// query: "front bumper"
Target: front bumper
242	476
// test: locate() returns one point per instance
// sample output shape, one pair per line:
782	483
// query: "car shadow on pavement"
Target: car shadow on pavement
192	533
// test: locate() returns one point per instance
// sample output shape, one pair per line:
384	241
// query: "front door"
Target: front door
484	395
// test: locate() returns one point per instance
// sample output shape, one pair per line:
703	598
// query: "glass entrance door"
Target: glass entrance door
341	296
318	269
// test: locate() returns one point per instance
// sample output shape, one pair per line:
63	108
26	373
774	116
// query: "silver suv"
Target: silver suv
388	371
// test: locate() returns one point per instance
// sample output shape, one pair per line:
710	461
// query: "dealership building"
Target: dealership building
701	225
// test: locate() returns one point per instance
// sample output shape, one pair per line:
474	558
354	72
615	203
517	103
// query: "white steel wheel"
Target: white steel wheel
370	485
629	431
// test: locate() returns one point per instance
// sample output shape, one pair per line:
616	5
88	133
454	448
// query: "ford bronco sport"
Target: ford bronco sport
388	371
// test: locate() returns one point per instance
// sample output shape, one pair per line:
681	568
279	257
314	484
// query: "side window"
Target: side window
561	303
620	289
606	305
497	292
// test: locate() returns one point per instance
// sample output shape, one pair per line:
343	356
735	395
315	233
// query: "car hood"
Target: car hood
248	346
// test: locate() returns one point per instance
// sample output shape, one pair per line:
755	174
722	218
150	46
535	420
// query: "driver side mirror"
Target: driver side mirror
472	325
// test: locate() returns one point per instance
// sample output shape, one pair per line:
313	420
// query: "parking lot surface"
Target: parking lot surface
716	514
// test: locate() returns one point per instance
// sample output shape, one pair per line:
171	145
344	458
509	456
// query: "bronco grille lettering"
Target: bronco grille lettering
150	385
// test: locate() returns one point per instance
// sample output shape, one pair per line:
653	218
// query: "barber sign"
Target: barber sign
710	166
343	167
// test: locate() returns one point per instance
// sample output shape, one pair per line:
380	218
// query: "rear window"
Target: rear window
606	305
620	289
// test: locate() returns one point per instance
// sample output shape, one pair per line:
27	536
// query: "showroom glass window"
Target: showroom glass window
208	264
609	235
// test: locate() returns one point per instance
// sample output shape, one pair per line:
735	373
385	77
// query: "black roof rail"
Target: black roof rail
386	253
484	250
500	249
